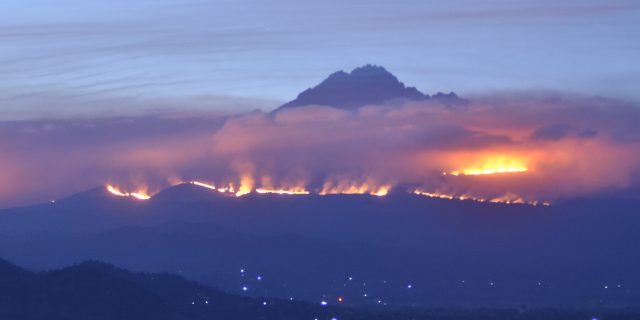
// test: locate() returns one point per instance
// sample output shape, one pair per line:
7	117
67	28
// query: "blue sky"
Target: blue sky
73	57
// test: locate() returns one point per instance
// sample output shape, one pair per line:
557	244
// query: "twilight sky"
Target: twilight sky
63	58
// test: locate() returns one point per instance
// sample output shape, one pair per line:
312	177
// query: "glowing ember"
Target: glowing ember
115	191
434	195
141	194
246	187
283	191
204	185
228	189
507	199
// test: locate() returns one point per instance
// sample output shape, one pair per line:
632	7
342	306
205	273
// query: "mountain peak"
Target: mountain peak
365	85
371	69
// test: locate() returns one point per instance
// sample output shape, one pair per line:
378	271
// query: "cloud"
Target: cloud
571	146
560	131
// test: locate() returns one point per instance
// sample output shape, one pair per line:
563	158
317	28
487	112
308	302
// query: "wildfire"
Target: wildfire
492	165
381	191
506	199
340	188
354	188
140	194
283	191
227	189
434	195
204	185
246	186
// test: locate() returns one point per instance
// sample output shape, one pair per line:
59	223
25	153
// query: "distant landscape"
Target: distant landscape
430	252
457	247
319	160
96	290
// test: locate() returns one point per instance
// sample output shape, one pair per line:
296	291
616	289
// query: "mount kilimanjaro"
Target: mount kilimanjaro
366	85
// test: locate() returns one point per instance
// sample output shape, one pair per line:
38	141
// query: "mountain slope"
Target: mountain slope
573	248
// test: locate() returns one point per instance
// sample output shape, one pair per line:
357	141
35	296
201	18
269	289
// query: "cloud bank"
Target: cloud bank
570	147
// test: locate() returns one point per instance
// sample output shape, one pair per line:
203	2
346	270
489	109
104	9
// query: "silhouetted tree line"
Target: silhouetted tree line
99	291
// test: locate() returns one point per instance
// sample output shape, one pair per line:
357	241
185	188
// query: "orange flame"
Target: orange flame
349	187
293	191
492	165
506	199
204	185
140	194
267	187
245	188
246	185
342	187
227	189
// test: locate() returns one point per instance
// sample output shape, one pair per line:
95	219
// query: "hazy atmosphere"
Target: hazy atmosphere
571	147
71	58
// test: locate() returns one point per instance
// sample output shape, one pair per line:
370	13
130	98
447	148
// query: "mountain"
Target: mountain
307	245
91	210
366	85
94	290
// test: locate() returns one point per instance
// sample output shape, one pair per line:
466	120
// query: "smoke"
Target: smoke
570	146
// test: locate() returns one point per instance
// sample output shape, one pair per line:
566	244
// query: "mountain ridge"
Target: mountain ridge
365	85
97	290
319	239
